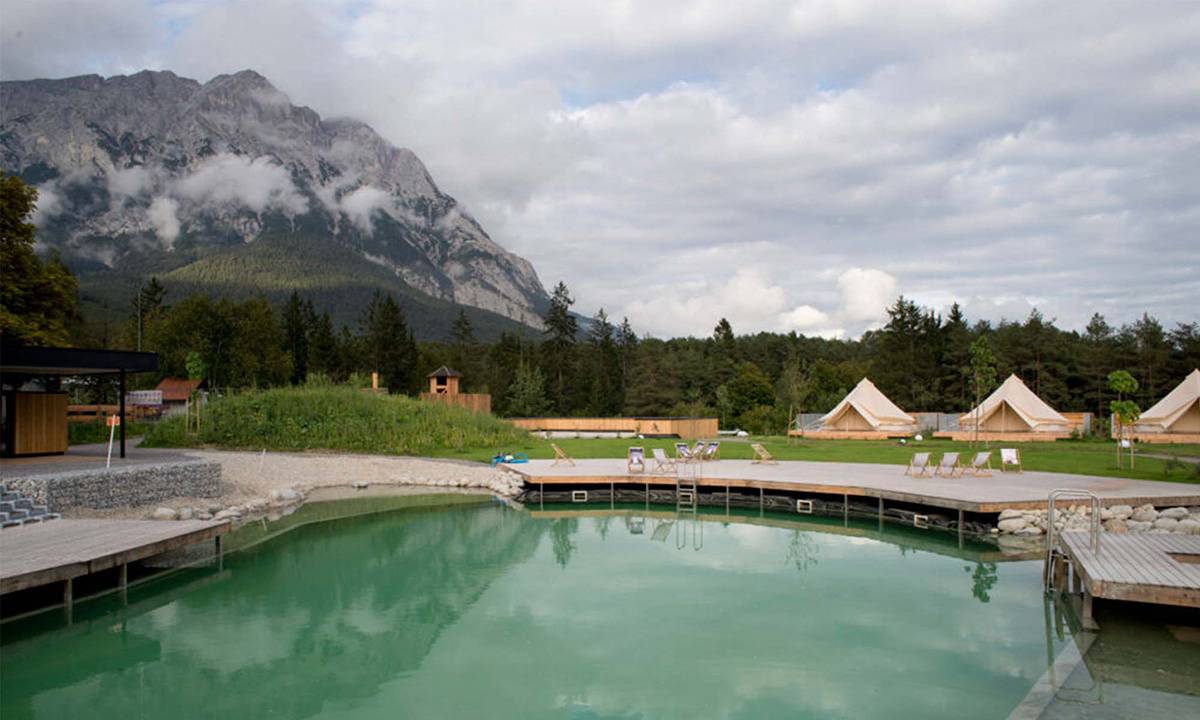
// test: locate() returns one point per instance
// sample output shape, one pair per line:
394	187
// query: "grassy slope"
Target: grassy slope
298	419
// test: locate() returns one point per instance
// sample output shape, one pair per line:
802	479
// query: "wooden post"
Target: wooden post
121	401
960	529
612	495
727	501
1089	622
123	576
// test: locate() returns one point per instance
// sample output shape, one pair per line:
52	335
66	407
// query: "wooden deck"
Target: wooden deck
983	494
1163	569
35	555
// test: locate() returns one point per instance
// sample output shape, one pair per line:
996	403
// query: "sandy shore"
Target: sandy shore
253	482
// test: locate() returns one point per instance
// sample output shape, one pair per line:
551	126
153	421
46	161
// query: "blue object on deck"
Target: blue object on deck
510	458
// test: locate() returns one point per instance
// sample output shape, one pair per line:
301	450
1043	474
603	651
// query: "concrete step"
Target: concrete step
18	515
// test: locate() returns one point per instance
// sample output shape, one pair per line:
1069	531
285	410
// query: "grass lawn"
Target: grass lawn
1080	457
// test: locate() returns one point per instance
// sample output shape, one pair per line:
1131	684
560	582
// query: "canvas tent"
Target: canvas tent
1013	408
866	409
1178	412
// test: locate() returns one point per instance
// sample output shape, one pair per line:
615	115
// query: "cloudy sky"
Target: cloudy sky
788	165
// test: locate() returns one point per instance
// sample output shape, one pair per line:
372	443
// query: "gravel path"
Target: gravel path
253	481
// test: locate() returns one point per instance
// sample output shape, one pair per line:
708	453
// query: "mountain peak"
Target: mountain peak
152	169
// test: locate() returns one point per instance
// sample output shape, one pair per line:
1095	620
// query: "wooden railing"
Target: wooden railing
98	413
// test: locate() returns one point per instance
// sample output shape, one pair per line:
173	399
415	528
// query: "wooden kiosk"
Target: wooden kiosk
35	418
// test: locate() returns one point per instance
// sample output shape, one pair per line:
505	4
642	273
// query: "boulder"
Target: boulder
214	507
1175	513
1165	523
1106	514
186	513
204	515
165	513
1189	526
1029	531
1122	511
1137	525
359	485
1010	514
1146	514
285	496
227	515
1116	525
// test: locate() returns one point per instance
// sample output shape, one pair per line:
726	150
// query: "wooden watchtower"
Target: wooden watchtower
444	389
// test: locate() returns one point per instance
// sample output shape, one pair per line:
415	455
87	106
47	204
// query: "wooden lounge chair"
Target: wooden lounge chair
712	451
662	463
635	461
1010	458
683	452
949	465
919	465
981	464
761	455
561	457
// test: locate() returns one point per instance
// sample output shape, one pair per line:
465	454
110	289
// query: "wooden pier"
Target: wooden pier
980	494
63	550
1155	568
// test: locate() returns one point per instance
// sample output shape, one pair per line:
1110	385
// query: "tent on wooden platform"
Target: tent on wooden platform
866	410
1013	409
1176	414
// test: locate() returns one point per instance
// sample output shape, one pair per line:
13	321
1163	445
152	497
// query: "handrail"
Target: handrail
1051	516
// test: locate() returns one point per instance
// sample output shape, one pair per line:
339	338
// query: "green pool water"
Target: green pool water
476	611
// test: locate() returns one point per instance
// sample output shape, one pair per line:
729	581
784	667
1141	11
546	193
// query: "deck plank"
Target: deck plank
49	552
1138	566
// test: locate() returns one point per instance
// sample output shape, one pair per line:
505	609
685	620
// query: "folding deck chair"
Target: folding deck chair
662	463
561	457
762	456
635	461
919	465
1010	457
712	451
981	464
684	452
949	465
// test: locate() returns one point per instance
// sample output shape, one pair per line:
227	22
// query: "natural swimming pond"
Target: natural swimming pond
484	611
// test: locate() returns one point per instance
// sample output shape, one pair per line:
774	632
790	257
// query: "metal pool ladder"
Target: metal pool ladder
686	485
1093	532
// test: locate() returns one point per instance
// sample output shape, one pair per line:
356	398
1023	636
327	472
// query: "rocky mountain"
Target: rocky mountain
228	187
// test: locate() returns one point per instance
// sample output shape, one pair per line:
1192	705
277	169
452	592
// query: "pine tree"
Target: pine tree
390	344
464	349
604	399
558	349
295	338
323	354
527	393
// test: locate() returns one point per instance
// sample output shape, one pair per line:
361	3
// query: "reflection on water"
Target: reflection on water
476	611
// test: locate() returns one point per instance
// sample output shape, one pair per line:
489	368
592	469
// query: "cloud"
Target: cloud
163	214
362	203
256	184
650	152
866	295
49	203
129	182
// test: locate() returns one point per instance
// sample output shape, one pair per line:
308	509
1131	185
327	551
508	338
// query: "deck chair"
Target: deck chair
683	452
981	464
762	456
919	465
561	457
712	451
1010	458
635	461
662	463
949	465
